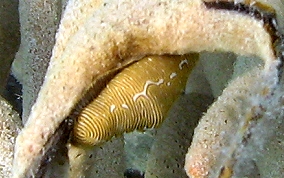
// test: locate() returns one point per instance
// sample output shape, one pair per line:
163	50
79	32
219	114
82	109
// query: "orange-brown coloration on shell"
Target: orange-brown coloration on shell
137	98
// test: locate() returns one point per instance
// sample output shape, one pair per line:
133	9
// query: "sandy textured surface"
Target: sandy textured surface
91	42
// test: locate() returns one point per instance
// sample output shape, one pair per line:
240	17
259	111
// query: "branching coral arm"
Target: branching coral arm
116	32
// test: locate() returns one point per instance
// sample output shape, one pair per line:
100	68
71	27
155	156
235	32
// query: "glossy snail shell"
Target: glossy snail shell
137	98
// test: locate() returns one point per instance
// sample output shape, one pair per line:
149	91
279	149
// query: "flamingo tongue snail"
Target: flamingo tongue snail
137	98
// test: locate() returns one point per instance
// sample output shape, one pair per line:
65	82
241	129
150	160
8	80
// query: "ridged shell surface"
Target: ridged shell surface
137	98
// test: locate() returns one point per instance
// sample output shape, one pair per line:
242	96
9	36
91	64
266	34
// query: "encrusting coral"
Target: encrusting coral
97	36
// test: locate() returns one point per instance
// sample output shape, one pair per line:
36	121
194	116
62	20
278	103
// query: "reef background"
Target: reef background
27	36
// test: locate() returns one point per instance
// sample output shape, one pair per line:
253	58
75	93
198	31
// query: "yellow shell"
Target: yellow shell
137	98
